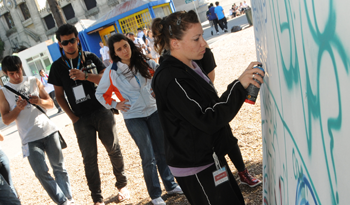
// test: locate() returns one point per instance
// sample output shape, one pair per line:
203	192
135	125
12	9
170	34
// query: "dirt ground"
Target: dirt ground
233	54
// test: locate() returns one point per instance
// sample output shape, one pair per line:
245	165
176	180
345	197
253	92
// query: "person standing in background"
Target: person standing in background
154	54
104	51
49	89
220	14
213	20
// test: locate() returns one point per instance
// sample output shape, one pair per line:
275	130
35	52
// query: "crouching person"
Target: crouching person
37	132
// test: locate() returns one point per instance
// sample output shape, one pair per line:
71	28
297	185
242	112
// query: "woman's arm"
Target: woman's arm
209	115
105	91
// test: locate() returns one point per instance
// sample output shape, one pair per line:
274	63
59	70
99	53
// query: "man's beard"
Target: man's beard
71	53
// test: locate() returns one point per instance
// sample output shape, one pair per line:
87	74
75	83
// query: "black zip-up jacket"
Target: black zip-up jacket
194	118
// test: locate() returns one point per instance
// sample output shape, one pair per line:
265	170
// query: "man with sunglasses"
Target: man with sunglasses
87	114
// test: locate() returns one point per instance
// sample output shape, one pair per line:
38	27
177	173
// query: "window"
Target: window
90	4
9	20
38	62
141	19
50	23
162	10
25	11
35	67
68	11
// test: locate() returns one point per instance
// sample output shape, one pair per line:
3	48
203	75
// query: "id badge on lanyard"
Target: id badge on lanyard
78	90
220	175
79	93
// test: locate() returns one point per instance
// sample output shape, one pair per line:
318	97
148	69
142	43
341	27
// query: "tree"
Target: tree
56	12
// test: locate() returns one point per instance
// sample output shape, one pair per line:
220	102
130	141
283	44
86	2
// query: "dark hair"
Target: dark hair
138	59
11	63
211	4
217	3
171	27
41	70
64	30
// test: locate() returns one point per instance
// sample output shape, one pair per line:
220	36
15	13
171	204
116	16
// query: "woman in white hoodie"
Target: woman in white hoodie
129	77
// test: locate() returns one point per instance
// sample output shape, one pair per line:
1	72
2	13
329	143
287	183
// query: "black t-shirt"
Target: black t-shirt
59	76
207	63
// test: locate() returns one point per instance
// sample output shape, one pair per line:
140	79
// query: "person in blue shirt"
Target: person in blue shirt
213	20
219	11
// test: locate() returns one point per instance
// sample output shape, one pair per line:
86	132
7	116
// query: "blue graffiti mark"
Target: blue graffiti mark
302	187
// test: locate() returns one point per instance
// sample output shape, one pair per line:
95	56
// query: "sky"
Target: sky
41	3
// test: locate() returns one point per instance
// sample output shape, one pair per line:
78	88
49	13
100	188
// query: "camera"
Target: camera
90	66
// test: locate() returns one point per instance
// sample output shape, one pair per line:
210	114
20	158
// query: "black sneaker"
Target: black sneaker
211	32
59	110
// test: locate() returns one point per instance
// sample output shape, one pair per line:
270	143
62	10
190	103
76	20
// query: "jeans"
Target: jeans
102	121
59	188
6	166
148	136
8	194
7	197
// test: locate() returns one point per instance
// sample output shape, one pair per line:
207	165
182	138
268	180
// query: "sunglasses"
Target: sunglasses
72	41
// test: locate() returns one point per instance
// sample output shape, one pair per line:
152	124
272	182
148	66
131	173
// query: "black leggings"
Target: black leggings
223	23
236	158
53	97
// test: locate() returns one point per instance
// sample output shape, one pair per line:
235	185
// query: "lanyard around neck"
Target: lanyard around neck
137	80
78	65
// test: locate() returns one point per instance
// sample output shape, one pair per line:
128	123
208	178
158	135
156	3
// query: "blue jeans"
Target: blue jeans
148	136
8	194
59	188
7	197
102	121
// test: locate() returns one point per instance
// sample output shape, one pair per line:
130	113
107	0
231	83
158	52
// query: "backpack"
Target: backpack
236	28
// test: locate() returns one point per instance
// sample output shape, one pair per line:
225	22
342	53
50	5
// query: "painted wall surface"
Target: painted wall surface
304	46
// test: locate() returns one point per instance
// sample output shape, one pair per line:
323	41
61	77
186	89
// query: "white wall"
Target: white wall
30	52
304	47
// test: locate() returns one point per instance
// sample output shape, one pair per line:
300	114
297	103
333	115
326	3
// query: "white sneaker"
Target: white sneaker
218	33
158	201
177	190
71	202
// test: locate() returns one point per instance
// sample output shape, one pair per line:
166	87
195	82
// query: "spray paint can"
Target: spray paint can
252	90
